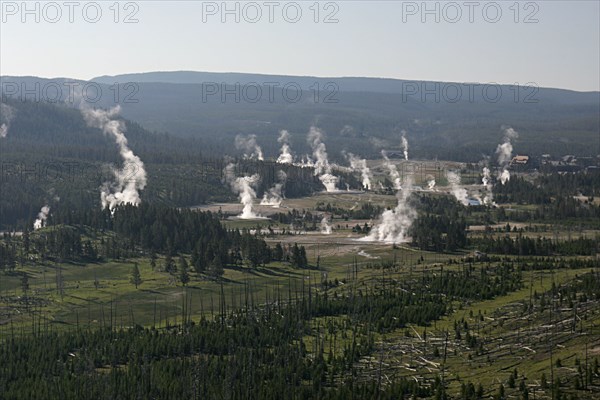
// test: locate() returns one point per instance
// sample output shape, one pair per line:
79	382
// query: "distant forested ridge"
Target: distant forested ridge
360	115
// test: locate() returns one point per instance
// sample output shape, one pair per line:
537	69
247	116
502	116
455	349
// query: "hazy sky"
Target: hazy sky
396	39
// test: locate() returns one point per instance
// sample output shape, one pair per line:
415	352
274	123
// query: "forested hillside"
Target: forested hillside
50	156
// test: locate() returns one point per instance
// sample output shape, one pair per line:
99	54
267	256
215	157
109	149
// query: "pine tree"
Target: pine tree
169	264
303	259
278	253
511	381
153	260
295	256
136	278
184	276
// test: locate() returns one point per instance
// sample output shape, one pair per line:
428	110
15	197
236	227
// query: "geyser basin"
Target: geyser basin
369	239
253	218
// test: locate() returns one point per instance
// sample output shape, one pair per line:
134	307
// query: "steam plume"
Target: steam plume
330	182
486	176
431	184
249	146
367	255
405	145
322	166
393	225
129	179
274	196
315	139
7	113
244	188
360	165
326	226
394	175
504	176
305	162
486	180
457	190
40	222
504	152
286	155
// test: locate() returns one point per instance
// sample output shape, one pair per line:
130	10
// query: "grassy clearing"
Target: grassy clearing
91	290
